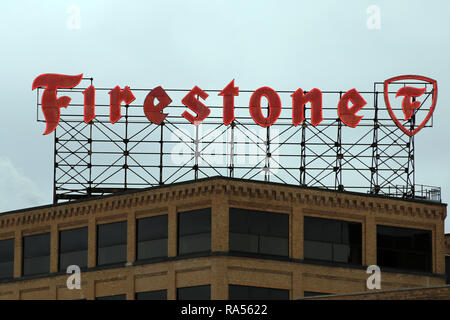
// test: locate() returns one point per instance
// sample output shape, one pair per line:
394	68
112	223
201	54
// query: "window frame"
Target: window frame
199	211
261	235
59	246
24	259
125	244
402	253
334	245
153	239
10	274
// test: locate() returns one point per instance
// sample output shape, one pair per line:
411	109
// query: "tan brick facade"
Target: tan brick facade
220	269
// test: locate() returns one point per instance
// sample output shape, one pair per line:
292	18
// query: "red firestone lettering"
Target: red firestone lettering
348	115
299	99
195	105
228	93
50	103
117	96
152	112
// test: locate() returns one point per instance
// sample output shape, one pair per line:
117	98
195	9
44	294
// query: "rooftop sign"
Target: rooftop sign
157	99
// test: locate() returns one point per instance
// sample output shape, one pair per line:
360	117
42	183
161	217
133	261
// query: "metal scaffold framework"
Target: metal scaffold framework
99	158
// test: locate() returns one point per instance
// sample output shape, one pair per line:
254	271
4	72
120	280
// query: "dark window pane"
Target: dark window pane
152	295
194	293
341	252
152	249
318	250
259	232
36	245
195	221
36	265
239	221
274	246
112	234
73	240
78	258
244	242
73	248
278	225
114	297
194	231
36	254
354	233
326	230
236	292
404	248
6	258
332	240
152	228
257	223
194	243
152	237
112	243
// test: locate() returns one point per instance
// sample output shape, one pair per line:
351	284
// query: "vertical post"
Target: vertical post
161	154
55	165
125	166
303	150
131	237
54	248
410	179
231	164
369	240
374	186
18	254
92	242
338	166
172	231
267	155
196	153
89	191
220	223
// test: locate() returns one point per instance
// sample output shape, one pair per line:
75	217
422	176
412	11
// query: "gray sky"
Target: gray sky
283	44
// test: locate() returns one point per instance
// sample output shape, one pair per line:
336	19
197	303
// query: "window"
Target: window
259	232
194	231
152	237
6	258
36	254
332	240
194	293
73	248
152	295
447	268
403	248
114	297
236	292
112	243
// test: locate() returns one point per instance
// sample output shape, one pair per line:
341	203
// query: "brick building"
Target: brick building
222	238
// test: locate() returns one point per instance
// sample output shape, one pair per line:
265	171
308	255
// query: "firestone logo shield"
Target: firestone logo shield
409	106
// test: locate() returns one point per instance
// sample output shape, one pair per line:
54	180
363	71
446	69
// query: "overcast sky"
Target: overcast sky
332	45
